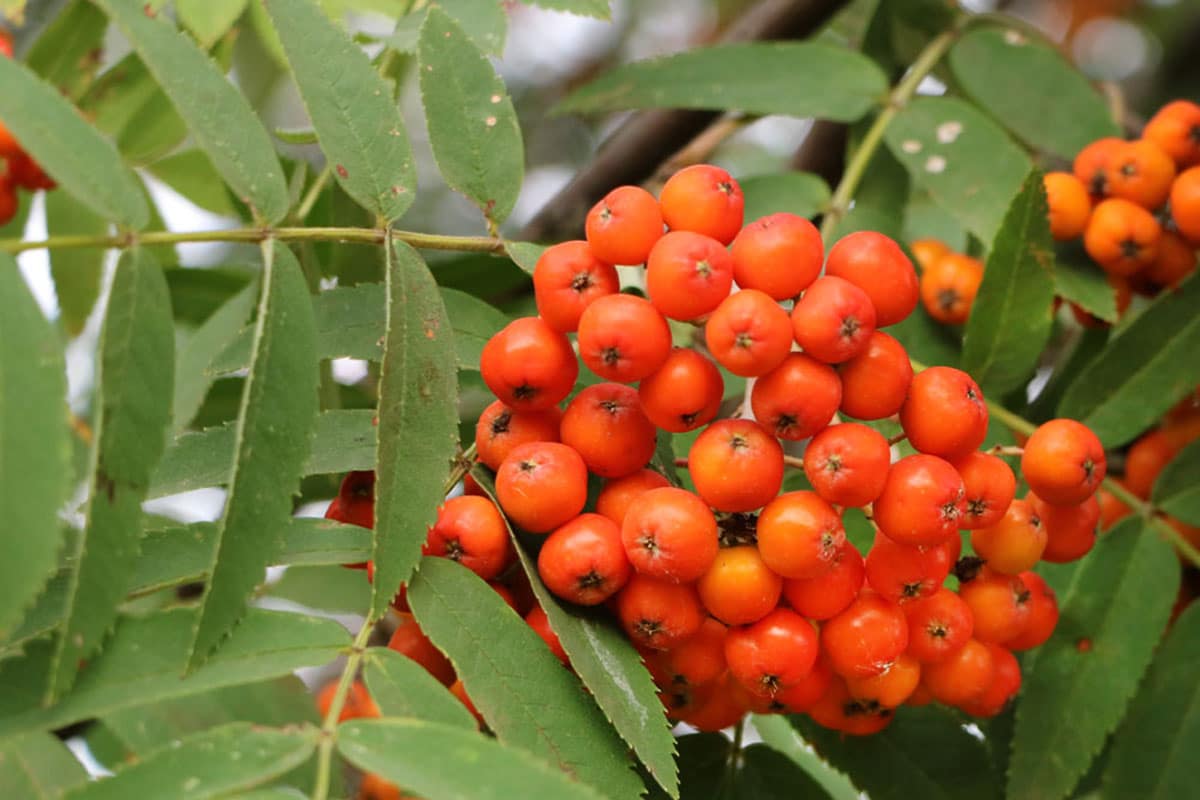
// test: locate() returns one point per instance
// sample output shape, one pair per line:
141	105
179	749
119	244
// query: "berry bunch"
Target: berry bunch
17	169
740	597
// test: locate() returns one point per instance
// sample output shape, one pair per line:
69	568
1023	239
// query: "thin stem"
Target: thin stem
1007	450
330	723
422	241
898	438
793	462
700	147
314	192
839	204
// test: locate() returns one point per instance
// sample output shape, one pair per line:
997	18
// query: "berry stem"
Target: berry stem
423	241
793	461
898	438
330	723
699	148
1006	450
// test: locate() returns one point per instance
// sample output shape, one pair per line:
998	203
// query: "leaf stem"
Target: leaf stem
314	192
896	100
330	723
422	241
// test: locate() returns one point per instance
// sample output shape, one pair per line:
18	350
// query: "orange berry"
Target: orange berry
500	429
683	394
542	485
1015	543
623	338
658	614
584	561
1122	237
749	333
1176	129
567	278
1140	172
876	264
927	251
875	382
834	320
703	199
736	465
949	286
797	398
624	225
780	255
1185	204
738	587
1070	205
670	534
1063	462
618	494
605	424
1176	260
1092	164
688	275
528	365
799	535
1070	530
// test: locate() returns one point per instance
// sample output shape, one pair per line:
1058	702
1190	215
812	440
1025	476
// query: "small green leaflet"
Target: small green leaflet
35	451
800	193
209	20
483	768
473	127
76	272
134	386
800	79
779	734
418	420
127	105
1010	319
1078	279
38	766
271	441
208	764
527	697
403	688
65	52
359	126
219	118
1119	600
71	151
1177	490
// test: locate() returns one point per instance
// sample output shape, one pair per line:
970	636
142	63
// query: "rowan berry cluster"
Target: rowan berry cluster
17	169
739	597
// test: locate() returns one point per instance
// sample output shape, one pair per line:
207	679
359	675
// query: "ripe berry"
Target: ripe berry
542	485
833	320
471	531
866	638
891	687
528	365
999	605
537	619
10	203
703	199
963	676
409	640
990	487
500	429
1063	462
1070	530
799	535
683	394
938	625
624	225
1140	172
847	464
1176	260
928	251
739	588
802	696
583	561
670	534
921	502
1043	614
568	277
779	254
749	333
714	706
1122	237
1070	205
797	398
901	572
1145	461
828	594
28	174
1092	163
658	614
376	787
772	654
1112	510
875	383
623	338
735	465
1185	204
618	494
876	264
945	414
698	660
355	503
1176	129
605	424
688	275
1005	682
1015	543
948	287
838	711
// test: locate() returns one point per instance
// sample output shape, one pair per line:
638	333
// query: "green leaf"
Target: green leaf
765	774
76	271
344	440
484	769
1177	490
327	588
1151	755
997	68
127	104
524	254
271	441
485	21
584	8
134	385
924	752
1010	319
209	20
474	322
473	127
192	379
963	159
35	452
881	197
66	53
800	193
519	687
927	341
359	126
1119	600
711	771
217	115
1147	367
192	175
418	420
71	151
1090	343
799	79
143	662
403	688
703	768
1079	280
925	219
209	764
38	767
779	734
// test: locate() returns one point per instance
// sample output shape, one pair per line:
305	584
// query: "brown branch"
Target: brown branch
647	138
